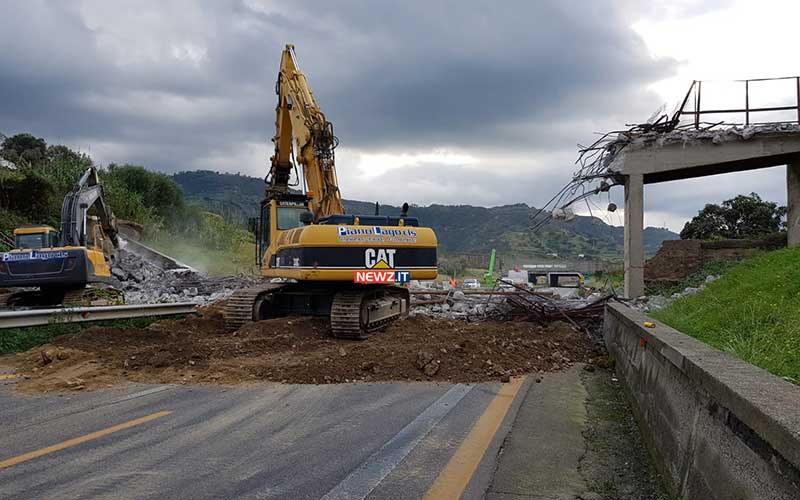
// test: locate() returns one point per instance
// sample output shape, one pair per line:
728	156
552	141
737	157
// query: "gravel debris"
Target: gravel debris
145	283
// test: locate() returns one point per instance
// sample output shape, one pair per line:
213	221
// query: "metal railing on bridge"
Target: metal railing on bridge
692	105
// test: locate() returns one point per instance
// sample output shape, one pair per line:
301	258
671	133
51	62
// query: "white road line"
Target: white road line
104	404
360	483
139	394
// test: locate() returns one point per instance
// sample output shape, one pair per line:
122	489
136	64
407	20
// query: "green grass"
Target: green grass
607	281
473	272
22	339
753	312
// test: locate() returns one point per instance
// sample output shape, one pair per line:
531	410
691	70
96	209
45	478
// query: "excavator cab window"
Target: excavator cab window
31	241
290	217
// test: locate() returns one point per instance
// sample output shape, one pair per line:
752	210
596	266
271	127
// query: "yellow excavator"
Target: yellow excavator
324	262
53	268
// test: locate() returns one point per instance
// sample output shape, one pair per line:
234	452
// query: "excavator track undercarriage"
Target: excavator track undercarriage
58	297
94	296
353	313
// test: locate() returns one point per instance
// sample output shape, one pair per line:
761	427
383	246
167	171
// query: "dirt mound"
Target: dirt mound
297	350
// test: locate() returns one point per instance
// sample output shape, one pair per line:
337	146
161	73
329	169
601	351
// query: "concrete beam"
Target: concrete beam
634	235
793	202
697	158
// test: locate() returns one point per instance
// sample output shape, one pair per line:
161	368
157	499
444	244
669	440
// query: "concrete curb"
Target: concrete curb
714	423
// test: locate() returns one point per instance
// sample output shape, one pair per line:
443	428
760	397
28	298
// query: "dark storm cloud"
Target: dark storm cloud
389	74
456	72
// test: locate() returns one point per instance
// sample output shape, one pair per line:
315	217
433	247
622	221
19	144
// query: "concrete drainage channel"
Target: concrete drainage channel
716	427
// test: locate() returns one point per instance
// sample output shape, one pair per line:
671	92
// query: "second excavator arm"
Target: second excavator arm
87	192
300	121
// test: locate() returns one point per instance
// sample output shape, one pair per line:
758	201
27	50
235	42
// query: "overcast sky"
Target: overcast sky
456	102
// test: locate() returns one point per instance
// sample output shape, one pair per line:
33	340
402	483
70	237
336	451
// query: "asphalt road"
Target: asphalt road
374	441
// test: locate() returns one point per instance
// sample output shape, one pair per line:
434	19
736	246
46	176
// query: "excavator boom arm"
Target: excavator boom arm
300	121
87	192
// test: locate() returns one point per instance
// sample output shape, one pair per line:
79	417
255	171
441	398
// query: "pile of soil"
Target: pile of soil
297	350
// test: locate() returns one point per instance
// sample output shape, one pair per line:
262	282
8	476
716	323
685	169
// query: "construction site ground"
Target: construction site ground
428	408
298	350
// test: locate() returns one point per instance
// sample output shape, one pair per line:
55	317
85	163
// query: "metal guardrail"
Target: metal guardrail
38	317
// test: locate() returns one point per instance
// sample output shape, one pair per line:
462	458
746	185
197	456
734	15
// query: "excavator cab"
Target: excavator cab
280	213
35	237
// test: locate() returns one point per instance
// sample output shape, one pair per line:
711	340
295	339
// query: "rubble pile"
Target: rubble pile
456	305
522	304
716	135
647	303
145	283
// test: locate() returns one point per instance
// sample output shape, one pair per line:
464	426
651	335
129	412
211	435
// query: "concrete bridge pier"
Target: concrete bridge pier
634	235
793	203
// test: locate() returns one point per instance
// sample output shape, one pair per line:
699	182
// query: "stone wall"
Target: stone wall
678	259
717	428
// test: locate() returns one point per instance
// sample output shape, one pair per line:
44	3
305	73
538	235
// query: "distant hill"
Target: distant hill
459	228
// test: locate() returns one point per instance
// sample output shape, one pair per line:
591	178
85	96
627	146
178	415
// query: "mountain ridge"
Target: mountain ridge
459	228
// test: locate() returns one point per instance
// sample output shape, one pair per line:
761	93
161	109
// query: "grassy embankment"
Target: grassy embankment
753	312
215	246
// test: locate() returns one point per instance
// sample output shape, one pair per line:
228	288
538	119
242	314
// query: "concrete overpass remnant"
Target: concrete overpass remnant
692	142
699	154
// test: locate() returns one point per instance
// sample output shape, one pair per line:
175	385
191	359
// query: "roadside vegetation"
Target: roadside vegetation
752	311
226	249
21	339
611	282
35	176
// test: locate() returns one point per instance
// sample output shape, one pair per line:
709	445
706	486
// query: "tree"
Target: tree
738	218
157	191
61	154
452	266
23	149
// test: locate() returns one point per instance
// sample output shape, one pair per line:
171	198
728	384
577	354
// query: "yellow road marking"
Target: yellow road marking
82	439
459	470
8	376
